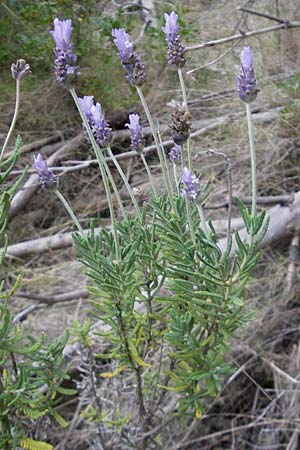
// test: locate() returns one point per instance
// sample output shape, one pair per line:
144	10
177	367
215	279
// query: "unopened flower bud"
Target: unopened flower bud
20	69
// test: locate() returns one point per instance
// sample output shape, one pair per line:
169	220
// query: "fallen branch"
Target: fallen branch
32	184
38	144
282	219
243	35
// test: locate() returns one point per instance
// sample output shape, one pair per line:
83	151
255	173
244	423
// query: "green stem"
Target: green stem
103	169
253	159
164	156
69	210
184	96
202	219
149	173
182	85
13	123
123	176
156	140
175	177
190	220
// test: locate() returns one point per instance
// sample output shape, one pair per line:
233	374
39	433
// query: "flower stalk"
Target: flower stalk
156	140
14	120
69	210
103	170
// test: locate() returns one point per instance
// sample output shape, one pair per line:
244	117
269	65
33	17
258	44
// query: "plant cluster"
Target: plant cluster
167	295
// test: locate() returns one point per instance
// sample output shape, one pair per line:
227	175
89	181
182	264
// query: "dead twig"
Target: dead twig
262	14
242	35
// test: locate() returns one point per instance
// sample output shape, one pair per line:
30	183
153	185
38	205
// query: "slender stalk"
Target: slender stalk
13	123
69	210
184	96
190	220
149	173
123	176
100	157
182	85
156	140
202	219
253	159
164	156
103	169
175	177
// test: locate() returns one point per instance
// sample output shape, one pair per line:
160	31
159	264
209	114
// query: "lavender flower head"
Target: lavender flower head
190	184
246	83
176	49
65	59
135	70
175	153
99	126
136	131
47	178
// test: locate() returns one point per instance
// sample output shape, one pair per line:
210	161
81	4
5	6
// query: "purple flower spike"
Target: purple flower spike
47	178
137	142
65	59
100	128
175	153
176	49
246	83
191	184
135	70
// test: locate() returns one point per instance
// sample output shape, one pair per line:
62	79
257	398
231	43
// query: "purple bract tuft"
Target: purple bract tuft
65	59
171	29
47	178
137	142
190	184
246	83
135	70
175	153
99	126
176	49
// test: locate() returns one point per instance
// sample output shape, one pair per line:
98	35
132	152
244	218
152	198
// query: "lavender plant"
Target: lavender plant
30	369
166	294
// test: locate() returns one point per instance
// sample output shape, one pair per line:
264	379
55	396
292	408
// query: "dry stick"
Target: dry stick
261	14
38	144
214	61
243	35
32	184
281	219
58	298
293	261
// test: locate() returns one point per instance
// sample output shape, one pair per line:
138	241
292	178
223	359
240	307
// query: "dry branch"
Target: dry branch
32	184
282	220
243	35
